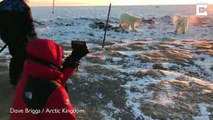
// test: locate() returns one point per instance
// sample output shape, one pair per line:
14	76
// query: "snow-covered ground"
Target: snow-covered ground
142	80
144	75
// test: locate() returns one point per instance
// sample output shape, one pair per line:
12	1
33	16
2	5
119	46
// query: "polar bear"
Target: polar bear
127	20
181	22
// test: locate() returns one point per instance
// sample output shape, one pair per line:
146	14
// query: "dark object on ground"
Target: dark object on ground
149	21
101	25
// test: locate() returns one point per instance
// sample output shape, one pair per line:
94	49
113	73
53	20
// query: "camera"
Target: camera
78	44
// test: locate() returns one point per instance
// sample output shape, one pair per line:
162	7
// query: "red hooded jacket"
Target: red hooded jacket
57	106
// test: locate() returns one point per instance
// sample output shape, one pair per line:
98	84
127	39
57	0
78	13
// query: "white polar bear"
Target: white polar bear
127	20
181	22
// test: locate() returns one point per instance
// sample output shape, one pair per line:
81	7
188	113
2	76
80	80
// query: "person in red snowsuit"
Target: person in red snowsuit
40	94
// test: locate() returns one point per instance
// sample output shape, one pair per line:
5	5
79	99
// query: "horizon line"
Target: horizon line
112	5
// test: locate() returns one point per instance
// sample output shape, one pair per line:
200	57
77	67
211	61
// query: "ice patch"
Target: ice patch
204	113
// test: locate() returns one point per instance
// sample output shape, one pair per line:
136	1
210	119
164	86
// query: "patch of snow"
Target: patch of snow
106	115
204	114
99	95
203	109
110	105
116	59
69	81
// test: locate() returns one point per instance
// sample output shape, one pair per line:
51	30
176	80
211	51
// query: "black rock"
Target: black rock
102	25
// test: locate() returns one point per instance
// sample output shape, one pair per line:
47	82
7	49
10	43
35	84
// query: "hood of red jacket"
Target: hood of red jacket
47	50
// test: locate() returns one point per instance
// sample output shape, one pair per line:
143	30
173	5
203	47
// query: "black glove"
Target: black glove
73	59
70	62
79	52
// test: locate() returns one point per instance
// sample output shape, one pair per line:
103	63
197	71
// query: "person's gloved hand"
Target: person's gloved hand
79	52
73	59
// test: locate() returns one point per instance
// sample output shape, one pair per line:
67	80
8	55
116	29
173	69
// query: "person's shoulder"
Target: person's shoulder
14	6
26	7
23	7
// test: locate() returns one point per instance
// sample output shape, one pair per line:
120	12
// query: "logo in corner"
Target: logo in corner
201	9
